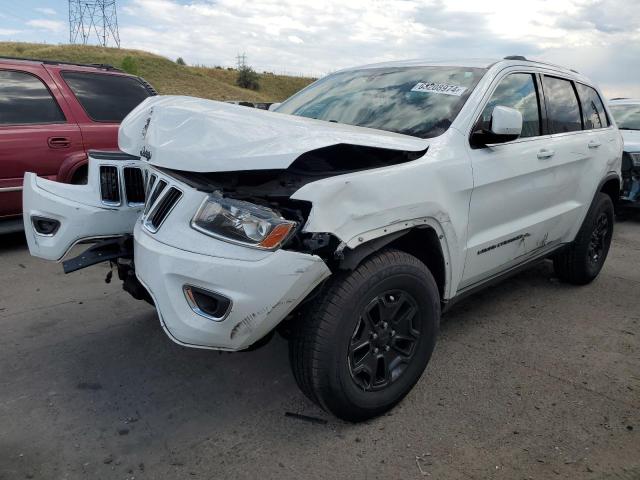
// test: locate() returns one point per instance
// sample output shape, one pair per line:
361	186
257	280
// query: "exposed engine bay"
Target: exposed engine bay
273	188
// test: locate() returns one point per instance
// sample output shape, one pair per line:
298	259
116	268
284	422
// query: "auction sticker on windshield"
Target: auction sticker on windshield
444	88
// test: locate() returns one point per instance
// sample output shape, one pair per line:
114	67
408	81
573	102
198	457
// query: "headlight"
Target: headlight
635	158
242	222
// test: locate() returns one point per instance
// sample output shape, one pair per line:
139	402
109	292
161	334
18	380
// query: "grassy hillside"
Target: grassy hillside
165	75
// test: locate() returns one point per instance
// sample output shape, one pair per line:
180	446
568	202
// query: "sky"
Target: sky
599	38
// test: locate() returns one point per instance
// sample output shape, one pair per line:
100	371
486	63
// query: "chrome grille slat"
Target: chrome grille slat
160	211
153	198
151	180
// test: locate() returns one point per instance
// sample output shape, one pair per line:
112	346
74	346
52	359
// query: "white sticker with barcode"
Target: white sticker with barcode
443	88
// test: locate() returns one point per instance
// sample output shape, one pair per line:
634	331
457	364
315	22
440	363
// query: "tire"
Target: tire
336	359
582	261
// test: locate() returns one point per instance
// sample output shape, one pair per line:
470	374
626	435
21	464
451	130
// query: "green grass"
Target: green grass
164	74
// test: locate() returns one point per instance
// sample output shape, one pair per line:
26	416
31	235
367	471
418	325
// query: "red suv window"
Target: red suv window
106	98
24	99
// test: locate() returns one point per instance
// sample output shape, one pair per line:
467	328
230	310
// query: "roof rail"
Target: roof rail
102	66
523	58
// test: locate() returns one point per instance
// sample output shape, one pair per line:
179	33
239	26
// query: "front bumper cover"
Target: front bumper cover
263	292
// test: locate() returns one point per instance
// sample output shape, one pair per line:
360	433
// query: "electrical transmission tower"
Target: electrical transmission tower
93	19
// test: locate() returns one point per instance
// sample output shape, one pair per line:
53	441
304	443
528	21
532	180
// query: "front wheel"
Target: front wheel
582	261
365	342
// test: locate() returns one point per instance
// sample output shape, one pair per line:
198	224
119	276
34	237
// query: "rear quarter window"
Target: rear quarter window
106	98
593	112
25	100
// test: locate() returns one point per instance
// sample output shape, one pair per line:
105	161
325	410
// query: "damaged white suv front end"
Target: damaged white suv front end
347	218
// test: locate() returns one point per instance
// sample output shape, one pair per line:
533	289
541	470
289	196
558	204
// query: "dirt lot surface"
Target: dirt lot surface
530	379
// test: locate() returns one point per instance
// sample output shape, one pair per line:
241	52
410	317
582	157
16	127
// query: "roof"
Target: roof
512	60
100	66
624	101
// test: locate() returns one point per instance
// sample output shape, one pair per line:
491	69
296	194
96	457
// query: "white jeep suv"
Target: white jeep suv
350	216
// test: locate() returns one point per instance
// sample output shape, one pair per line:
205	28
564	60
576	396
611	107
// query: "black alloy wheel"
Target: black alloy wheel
384	340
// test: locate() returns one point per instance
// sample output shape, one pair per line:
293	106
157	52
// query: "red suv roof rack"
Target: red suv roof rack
101	66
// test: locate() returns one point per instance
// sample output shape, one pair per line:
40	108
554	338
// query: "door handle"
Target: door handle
545	153
594	144
59	142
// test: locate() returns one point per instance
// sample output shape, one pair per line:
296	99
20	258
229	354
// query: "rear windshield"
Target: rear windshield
106	98
627	116
417	101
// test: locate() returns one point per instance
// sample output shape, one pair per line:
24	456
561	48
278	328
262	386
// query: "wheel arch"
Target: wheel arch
71	166
425	243
610	185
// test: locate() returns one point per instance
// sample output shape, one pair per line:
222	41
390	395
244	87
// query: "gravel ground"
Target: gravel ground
530	379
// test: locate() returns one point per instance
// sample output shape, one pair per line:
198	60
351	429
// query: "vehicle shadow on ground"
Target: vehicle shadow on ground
11	242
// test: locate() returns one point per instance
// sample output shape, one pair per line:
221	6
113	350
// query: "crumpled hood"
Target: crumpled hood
192	134
631	140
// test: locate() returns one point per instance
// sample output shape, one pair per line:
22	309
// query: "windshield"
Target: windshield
627	116
418	101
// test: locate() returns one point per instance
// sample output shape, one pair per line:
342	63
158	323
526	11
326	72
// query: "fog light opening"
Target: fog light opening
206	303
45	226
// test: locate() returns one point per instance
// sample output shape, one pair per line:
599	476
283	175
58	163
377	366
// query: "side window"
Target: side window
563	110
24	99
106	98
593	112
517	90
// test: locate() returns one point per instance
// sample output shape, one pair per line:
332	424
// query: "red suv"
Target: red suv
51	114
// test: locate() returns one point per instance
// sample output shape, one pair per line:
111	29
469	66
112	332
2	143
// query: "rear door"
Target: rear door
582	142
37	133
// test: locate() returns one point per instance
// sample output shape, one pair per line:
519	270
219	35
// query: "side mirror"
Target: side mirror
273	106
506	125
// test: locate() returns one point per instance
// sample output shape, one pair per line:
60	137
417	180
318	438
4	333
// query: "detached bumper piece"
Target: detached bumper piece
101	252
57	215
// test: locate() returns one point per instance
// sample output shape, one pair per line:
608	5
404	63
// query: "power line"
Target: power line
93	19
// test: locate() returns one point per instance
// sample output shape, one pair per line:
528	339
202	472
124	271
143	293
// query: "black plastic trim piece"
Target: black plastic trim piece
100	252
499	277
111	155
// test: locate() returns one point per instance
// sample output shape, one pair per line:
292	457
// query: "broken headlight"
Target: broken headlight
242	222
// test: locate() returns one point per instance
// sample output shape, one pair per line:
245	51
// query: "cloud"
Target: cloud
7	32
605	16
55	26
46	11
312	37
598	37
